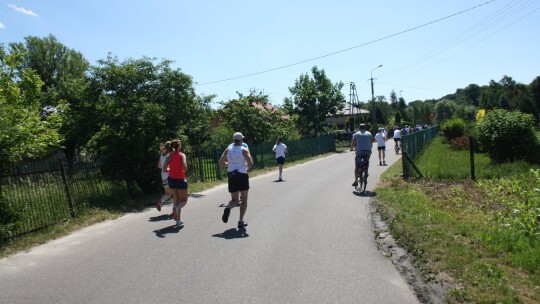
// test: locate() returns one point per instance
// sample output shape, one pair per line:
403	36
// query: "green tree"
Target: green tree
256	119
445	109
24	131
535	92
313	98
139	104
63	71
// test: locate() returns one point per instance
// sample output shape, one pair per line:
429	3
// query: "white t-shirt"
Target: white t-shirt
381	139
164	175
397	133
280	149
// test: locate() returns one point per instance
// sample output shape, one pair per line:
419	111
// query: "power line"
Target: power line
350	48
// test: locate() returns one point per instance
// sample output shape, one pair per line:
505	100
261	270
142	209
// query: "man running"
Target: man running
237	159
362	143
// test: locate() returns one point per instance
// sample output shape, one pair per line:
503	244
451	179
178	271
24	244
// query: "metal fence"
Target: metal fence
48	191
412	145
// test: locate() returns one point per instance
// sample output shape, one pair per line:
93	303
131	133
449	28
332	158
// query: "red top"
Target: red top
176	169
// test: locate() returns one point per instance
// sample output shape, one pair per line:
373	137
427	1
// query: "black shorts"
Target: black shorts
280	160
238	181
381	148
397	139
361	156
177	183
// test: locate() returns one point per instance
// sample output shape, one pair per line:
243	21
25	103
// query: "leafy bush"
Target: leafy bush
453	128
508	135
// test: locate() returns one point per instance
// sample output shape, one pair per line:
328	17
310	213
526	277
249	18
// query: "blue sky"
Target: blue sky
427	48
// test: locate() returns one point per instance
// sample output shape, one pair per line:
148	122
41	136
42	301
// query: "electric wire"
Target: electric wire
350	48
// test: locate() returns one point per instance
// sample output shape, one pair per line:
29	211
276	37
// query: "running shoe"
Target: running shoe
159	203
242	224
175	215
179	223
226	214
355	184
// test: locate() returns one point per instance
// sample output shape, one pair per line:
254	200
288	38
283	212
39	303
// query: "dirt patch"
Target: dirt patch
427	290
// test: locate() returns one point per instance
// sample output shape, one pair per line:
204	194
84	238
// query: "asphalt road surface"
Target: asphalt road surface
309	240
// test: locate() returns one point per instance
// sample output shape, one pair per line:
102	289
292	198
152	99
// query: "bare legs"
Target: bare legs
235	198
180	199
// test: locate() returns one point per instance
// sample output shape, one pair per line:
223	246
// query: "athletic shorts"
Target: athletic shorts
238	181
362	155
177	183
381	148
397	139
280	160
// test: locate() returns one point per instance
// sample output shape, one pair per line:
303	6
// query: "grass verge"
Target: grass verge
473	236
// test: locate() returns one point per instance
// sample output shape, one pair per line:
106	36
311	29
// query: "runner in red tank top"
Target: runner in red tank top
176	165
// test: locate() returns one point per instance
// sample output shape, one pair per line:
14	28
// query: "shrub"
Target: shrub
508	135
453	128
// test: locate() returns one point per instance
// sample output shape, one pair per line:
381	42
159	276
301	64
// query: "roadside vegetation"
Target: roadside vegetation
480	237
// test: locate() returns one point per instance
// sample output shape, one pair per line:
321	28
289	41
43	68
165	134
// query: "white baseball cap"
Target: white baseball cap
237	136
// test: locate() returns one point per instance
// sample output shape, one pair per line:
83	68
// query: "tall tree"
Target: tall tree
24	131
63	72
313	98
140	103
256	119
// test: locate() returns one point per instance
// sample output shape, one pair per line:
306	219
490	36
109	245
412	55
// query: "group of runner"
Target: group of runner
236	158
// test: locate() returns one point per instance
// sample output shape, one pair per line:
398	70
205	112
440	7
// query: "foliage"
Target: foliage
449	228
256	119
138	105
25	132
507	135
453	128
445	109
312	99
63	71
516	202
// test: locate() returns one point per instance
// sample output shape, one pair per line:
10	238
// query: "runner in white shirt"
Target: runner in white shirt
380	137
280	149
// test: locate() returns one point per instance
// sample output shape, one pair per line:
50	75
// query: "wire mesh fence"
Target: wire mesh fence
412	145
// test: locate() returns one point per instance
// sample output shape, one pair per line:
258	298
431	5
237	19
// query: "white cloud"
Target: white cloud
2	26
22	10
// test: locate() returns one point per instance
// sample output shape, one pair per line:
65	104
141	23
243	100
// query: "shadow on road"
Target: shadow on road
279	181
365	194
163	217
171	229
232	233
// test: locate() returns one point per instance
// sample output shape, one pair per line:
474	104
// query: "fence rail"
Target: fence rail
48	191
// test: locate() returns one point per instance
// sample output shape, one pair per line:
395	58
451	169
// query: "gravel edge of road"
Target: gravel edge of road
426	292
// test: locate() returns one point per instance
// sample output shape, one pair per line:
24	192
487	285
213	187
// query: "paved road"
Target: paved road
309	240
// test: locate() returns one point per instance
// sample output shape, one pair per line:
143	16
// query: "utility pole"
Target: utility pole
373	116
